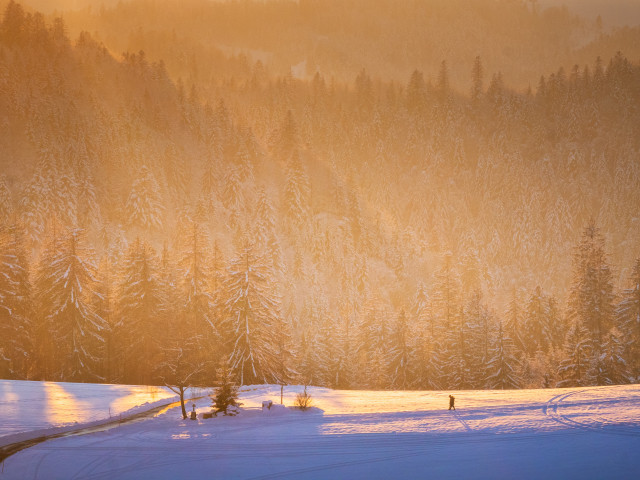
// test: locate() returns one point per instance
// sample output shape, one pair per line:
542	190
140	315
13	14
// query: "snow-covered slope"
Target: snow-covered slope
30	409
564	433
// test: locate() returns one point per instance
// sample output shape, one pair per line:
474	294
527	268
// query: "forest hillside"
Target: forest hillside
463	215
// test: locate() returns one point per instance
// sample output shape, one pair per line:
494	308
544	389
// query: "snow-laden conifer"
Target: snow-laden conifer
401	356
16	310
296	200
196	303
251	317
502	365
628	319
572	371
225	396
139	311
77	330
609	367
104	305
144	207
591	295
6	202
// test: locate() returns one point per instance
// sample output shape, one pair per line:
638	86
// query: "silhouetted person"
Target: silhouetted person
452	400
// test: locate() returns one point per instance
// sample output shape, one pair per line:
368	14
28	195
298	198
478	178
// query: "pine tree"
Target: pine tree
104	306
306	366
216	279
139	309
182	361
251	315
226	393
144	207
591	295
233	196
171	331
264	221
480	328
196	301
297	192
65	198
6	203
286	137
315	344
426	368
502	366
477	75
416	93
35	206
536	323
401	355
46	361
76	328
285	373
514	322
342	349
459	363
446	294
610	367
443	82
88	209
572	371
16	310
450	338
628	318
373	344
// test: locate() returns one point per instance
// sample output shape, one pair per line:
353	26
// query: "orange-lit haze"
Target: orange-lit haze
353	194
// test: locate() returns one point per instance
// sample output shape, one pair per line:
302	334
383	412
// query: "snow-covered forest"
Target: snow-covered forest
259	199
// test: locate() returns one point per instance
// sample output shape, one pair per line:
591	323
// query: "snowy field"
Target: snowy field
31	409
552	434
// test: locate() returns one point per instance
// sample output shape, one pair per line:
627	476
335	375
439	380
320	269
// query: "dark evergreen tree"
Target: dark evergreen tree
591	295
226	393
477	76
416	93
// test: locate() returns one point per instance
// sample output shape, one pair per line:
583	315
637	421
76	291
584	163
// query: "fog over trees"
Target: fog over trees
382	195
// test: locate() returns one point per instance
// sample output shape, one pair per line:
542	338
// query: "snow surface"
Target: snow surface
31	409
553	434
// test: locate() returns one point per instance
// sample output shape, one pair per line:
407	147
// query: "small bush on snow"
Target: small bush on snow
303	400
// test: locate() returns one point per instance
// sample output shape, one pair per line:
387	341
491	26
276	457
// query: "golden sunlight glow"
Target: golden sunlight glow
62	407
424	195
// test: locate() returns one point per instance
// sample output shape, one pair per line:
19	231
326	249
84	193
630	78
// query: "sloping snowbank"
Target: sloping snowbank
33	409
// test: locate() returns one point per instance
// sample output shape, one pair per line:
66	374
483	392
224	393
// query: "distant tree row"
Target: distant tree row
151	317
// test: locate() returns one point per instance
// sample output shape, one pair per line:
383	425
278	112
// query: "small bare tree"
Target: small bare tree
180	374
303	400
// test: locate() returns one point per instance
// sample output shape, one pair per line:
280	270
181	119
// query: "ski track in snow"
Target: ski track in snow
560	433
